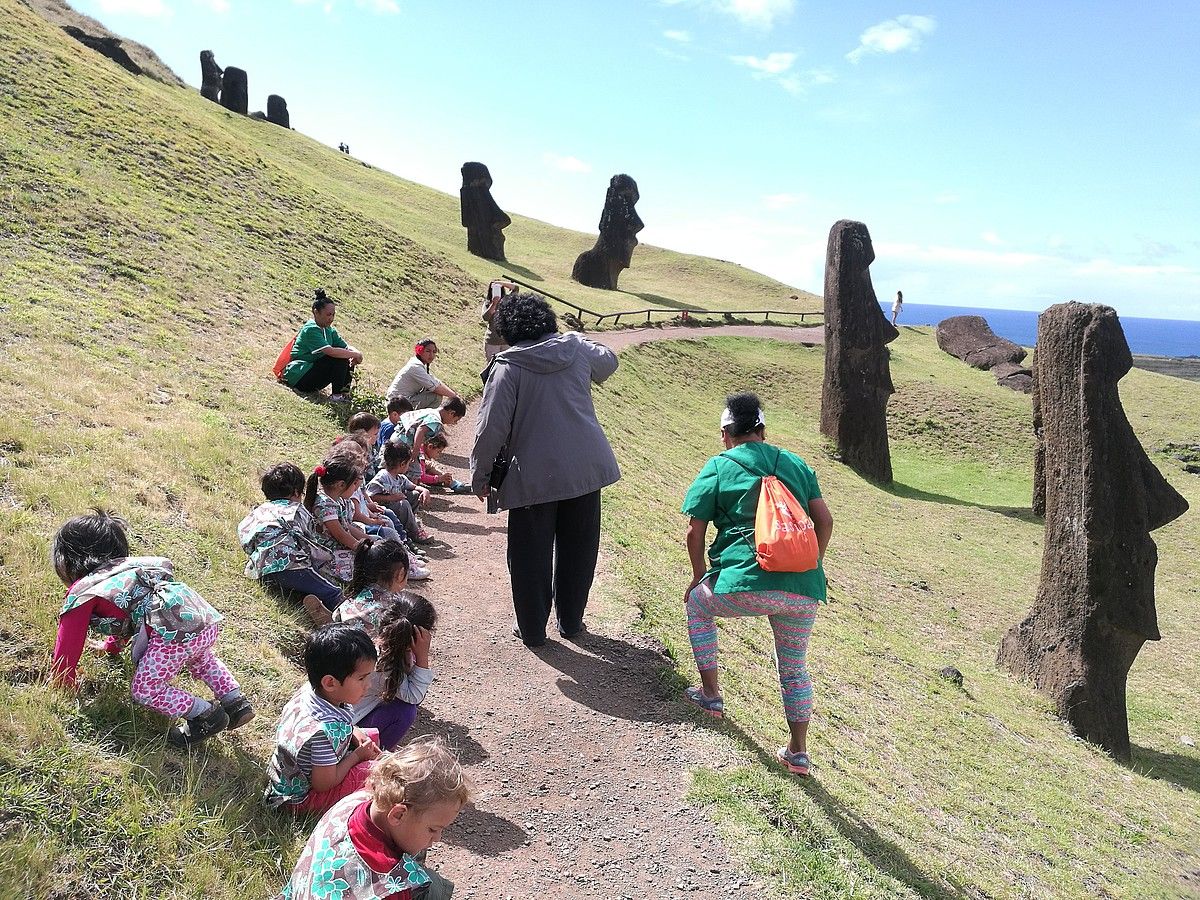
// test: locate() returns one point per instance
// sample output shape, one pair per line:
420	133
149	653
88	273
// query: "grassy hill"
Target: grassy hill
156	252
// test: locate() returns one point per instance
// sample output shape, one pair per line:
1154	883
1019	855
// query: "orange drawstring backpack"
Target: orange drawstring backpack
784	537
285	357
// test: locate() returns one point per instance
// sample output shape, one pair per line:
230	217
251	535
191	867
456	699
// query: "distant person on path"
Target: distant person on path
897	305
537	409
319	355
135	601
497	291
416	384
726	493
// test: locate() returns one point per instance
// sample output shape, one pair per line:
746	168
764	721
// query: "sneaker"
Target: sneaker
423	536
198	728
316	610
573	632
796	763
414	550
239	711
339	398
416	571
460	487
714	706
517	634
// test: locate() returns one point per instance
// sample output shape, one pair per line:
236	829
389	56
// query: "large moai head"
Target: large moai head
277	111
1101	497
601	266
235	90
858	380
483	218
210	77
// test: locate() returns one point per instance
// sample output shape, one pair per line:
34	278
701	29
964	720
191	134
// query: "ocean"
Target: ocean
1155	337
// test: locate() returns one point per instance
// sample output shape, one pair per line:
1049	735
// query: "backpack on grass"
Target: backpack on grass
784	537
285	357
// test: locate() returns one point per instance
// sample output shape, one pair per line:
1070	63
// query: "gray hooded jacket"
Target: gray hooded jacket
538	404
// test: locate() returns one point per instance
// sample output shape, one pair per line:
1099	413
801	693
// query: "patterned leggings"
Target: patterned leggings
164	660
791	617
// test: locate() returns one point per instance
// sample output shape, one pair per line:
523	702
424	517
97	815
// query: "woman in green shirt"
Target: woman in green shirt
726	493
319	355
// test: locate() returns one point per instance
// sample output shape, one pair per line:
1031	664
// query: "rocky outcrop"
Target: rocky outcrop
1014	376
111	47
858	380
601	266
235	90
210	77
277	111
483	218
1101	497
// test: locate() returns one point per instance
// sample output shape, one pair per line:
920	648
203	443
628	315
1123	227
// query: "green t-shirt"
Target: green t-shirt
312	337
727	495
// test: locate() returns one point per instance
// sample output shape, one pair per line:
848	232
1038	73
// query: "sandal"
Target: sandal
796	763
714	706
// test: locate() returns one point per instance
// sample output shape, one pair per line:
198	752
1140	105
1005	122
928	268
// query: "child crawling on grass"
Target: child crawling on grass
320	757
368	845
280	538
402	624
136	600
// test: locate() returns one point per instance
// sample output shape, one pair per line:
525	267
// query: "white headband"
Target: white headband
727	418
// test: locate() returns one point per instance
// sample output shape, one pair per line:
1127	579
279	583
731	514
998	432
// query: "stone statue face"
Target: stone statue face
620	223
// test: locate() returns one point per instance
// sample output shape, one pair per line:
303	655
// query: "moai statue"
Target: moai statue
235	90
1101	497
858	380
484	220
619	225
210	77
277	111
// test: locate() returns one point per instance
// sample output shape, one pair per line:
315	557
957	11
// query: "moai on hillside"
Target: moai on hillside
277	111
1101	497
484	220
235	90
858	379
619	224
210	77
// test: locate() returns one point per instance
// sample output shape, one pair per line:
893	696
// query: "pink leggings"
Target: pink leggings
164	660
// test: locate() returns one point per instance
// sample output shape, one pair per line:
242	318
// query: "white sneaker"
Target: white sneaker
339	398
416	571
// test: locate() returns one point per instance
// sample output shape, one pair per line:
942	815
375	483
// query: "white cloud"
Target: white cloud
771	64
990	237
783	201
672	54
800	83
945	198
681	37
752	13
892	36
566	163
150	8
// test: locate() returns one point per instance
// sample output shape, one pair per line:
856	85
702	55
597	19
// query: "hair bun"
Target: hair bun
321	295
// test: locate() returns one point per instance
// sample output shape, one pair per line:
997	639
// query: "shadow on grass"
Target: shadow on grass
521	271
1174	767
660	302
896	489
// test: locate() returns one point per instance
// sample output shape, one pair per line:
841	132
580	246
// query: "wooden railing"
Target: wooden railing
616	317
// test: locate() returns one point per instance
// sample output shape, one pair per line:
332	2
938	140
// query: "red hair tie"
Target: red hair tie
320	471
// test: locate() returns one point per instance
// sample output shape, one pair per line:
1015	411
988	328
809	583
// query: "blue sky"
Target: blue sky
1002	154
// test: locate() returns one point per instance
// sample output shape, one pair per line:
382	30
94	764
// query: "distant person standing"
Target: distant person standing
494	342
416	384
319	354
897	306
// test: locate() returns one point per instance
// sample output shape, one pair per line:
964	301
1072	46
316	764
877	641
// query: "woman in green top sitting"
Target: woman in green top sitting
726	493
320	356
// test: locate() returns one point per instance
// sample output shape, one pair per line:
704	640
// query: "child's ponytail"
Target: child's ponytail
334	470
376	562
310	491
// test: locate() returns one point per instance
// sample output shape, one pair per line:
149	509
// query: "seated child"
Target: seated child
431	474
393	489
374	839
138	599
320	757
364	428
396	407
420	425
324	496
402	625
280	538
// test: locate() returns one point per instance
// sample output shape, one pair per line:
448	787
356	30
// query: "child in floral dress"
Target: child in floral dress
137	600
325	495
366	847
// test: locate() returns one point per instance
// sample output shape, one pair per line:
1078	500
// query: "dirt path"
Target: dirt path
631	337
581	755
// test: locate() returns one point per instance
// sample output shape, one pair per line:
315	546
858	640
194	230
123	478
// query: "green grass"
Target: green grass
156	252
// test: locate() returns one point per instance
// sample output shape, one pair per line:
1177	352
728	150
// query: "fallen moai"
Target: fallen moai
1101	497
858	380
483	218
972	340
111	47
210	77
601	266
235	90
277	111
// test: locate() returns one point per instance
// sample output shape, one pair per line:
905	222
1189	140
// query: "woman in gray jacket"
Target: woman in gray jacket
537	414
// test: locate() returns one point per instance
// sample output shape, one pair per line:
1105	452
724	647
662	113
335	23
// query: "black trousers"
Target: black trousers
326	370
552	550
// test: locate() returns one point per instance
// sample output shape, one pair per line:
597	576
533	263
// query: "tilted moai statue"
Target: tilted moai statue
484	220
235	90
210	77
1101	497
277	111
858	379
619	224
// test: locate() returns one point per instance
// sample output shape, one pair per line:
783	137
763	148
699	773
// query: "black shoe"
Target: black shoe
239	711
198	728
569	633
517	634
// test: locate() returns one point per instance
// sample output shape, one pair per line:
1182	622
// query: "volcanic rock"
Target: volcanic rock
972	340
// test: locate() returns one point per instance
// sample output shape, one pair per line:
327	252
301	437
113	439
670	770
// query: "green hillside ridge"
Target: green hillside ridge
156	252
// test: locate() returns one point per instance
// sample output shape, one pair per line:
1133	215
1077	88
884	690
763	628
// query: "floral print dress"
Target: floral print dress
305	716
326	509
280	535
